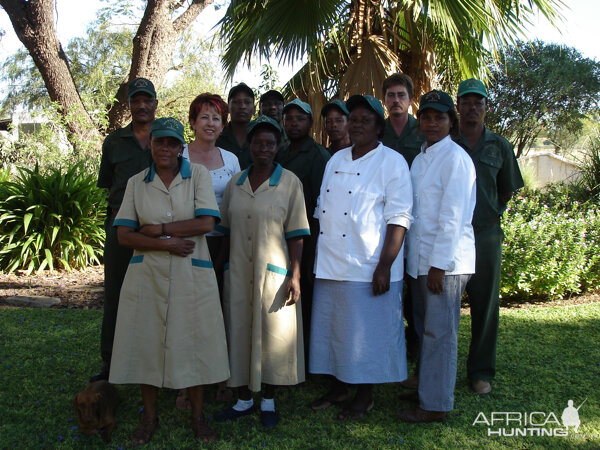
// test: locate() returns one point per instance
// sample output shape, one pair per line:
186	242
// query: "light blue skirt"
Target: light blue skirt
355	336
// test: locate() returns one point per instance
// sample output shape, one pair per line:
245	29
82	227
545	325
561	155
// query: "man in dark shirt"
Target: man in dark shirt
401	131
498	176
125	153
241	109
307	160
271	105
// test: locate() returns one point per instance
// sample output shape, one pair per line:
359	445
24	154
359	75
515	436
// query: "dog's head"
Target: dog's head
88	407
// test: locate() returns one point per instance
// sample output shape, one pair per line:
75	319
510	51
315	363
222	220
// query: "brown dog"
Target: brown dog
95	407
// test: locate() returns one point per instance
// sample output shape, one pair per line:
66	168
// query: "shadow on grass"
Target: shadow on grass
546	357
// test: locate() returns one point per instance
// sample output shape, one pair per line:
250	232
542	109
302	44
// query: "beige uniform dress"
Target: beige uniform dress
264	335
170	330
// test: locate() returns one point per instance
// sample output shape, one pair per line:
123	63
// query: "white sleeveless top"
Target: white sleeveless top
220	176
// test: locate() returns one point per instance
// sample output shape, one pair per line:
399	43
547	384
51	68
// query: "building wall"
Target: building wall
547	167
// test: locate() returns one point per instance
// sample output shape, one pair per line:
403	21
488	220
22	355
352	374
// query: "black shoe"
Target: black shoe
232	414
102	375
269	418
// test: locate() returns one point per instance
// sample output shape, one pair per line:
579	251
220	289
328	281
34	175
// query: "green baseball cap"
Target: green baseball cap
335	104
262	121
437	100
366	100
167	127
472	86
305	107
140	85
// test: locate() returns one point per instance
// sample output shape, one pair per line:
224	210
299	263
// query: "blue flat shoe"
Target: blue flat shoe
269	418
232	414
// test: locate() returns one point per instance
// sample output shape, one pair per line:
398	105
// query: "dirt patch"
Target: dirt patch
81	289
84	289
506	304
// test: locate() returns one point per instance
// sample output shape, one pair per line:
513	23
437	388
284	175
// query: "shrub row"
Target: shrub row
551	246
51	219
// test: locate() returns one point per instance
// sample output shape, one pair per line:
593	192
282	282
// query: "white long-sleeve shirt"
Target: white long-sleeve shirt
358	199
444	193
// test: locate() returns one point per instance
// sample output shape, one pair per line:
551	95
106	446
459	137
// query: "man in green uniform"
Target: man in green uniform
125	153
401	133
241	109
335	115
307	160
498	176
270	104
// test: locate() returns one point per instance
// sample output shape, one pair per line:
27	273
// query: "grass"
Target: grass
546	356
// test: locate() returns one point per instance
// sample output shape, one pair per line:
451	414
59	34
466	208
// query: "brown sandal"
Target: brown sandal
354	412
144	432
329	400
201	429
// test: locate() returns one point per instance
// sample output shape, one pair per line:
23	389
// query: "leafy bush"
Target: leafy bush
590	168
51	219
551	244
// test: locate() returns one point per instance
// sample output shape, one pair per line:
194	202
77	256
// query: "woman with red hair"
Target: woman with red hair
208	116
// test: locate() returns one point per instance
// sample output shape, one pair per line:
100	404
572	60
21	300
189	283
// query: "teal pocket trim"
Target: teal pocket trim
202	263
226	267
296	233
279	270
126	223
136	259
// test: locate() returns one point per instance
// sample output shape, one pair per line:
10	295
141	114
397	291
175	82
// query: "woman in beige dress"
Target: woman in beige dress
170	330
263	207
208	116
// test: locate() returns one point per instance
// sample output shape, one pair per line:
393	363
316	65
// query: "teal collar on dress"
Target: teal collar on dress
273	181
185	170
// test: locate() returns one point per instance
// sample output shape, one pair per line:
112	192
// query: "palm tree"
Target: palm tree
352	45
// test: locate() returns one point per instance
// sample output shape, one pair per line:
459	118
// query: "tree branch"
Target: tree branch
183	21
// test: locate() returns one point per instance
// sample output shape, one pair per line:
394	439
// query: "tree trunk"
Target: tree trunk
33	22
153	46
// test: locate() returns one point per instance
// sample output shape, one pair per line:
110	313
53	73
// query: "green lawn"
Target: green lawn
546	357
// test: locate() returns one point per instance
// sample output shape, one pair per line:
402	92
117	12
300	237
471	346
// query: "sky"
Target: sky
73	16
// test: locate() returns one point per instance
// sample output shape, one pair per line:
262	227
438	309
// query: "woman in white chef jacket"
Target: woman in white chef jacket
440	253
357	334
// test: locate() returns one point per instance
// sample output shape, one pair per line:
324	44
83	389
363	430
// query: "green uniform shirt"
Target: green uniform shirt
308	164
497	173
408	144
227	141
122	157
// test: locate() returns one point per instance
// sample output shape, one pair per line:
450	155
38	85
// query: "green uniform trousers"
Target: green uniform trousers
116	261
483	290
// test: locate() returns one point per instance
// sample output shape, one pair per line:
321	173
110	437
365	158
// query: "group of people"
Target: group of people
230	258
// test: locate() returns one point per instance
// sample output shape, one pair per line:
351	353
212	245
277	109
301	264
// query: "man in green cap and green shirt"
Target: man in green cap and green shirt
498	177
125	152
335	114
307	160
